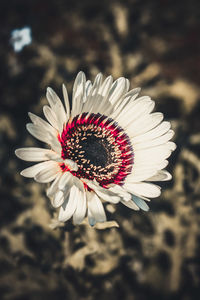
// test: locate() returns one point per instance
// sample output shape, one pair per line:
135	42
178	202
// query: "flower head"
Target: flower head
110	147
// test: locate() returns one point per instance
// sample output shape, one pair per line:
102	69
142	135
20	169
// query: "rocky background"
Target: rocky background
154	255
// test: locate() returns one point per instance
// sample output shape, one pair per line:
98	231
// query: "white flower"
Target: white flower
109	148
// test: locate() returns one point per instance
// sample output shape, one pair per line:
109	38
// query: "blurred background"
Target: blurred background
154	255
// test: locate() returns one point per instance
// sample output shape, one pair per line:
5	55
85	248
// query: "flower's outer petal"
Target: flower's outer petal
142	171
140	176
58	199
35	154
69	206
148	165
118	190
161	175
38	133
152	155
66	100
100	103
49	173
171	145
144	189
117	90
155	142
104	194
105	87
127	99
133	112
96	85
78	183
71	164
152	134
43	124
91	218
34	170
65	180
57	107
54	186
42	135
96	208
78	93
140	203
88	86
130	204
93	98
144	124
80	211
50	116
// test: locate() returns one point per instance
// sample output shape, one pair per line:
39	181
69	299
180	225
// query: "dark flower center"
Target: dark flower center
95	150
101	149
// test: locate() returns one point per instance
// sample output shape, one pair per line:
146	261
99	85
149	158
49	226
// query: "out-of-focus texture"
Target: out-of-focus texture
154	255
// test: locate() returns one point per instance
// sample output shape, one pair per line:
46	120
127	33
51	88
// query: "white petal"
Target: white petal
54	186
130	204
88	86
131	95
96	208
78	183
34	170
148	164
57	107
100	105
143	189
93	97
144	124
118	89
96	85
141	176
78	93
38	133
128	98
49	173
154	154
44	136
34	154
56	146
105	87
152	134
71	164
69	205
50	116
171	145
66	100
91	218
43	124
58	199
80	211
65	180
103	193
118	190
161	175
143	171
134	112
155	142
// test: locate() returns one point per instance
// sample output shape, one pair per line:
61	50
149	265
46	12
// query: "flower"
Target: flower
109	148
